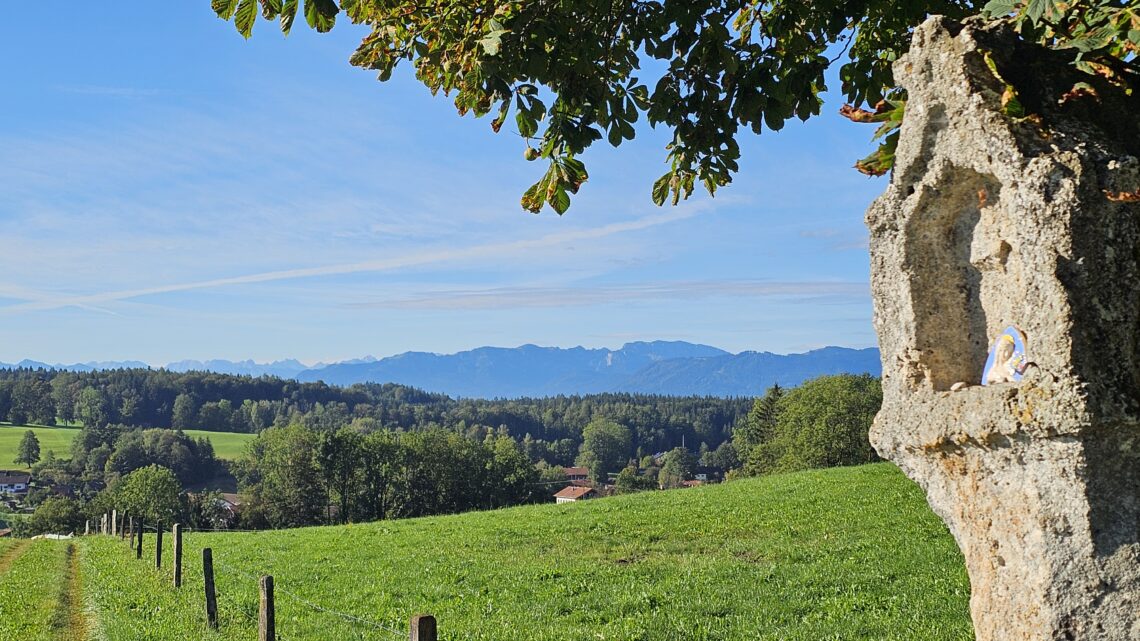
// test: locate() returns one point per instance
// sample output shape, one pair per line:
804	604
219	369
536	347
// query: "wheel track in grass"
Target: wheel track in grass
69	621
13	553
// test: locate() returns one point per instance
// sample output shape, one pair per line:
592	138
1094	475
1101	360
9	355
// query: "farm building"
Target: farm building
572	493
576	473
14	482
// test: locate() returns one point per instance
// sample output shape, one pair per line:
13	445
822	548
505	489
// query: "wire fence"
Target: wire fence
345	616
228	565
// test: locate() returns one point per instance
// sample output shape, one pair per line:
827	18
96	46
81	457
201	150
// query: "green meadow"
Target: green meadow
849	553
227	445
39	596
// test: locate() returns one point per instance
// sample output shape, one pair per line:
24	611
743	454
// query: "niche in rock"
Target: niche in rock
965	276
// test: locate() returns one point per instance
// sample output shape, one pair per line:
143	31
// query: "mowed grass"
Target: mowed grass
32	577
850	553
227	445
57	439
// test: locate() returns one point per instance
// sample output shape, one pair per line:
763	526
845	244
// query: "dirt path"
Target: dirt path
69	622
13	553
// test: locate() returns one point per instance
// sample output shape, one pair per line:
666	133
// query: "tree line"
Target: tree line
344	458
101	455
148	398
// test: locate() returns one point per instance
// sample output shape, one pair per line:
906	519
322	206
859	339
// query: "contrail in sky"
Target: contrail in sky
39	302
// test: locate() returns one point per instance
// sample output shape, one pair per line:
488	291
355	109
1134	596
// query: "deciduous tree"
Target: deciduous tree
822	423
605	448
151	493
568	73
678	467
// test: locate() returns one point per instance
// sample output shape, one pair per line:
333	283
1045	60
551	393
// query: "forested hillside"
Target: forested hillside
328	454
223	403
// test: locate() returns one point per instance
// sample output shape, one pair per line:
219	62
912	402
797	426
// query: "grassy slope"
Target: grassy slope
30	590
839	554
227	445
51	438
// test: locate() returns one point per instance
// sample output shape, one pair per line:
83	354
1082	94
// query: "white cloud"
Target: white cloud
446	255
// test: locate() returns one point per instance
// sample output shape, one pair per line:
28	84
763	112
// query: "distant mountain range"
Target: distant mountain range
89	366
657	367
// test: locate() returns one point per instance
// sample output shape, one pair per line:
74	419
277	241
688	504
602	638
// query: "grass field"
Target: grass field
849	553
35	589
227	445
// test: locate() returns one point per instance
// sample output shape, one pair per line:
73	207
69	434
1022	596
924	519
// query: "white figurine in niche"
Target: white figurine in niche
1008	358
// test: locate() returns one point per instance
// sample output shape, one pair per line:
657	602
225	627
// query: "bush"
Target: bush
55	515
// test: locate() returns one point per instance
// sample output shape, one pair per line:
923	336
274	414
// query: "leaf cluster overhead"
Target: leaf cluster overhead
564	74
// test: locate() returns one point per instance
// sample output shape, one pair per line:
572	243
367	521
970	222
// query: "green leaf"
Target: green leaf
288	14
560	200
224	8
497	123
1011	104
321	14
661	189
710	184
573	173
614	135
491	43
999	8
882	159
245	17
640	95
528	126
1035	10
270	9
534	197
1093	40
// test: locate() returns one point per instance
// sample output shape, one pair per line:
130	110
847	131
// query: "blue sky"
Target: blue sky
169	190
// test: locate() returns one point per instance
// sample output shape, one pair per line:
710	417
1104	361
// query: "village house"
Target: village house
12	482
576	473
572	493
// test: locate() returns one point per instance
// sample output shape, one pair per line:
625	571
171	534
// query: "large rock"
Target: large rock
991	221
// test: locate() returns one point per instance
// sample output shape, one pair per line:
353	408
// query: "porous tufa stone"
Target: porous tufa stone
988	221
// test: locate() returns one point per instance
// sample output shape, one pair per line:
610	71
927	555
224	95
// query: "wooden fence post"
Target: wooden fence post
131	524
423	628
158	549
266	624
138	550
103	524
208	579
87	528
123	526
114	522
177	532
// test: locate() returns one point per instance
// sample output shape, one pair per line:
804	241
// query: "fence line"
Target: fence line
225	530
422	627
344	615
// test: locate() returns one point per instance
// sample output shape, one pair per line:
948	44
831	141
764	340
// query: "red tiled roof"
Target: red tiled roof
575	471
573	492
